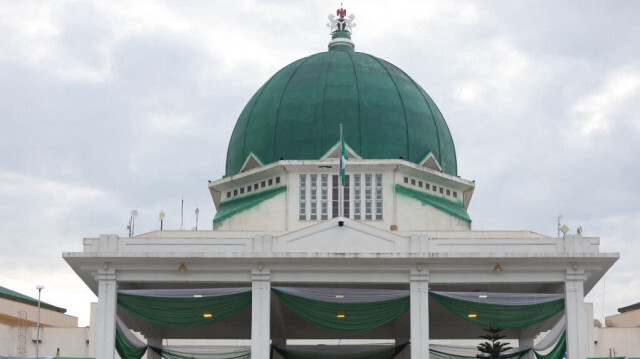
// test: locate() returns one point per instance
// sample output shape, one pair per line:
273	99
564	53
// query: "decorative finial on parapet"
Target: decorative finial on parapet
340	30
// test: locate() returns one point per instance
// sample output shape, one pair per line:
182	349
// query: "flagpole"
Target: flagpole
340	190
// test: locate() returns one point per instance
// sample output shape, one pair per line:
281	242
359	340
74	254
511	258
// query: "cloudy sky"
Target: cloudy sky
107	107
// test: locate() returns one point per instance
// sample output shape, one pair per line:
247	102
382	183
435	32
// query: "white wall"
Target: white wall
71	341
618	342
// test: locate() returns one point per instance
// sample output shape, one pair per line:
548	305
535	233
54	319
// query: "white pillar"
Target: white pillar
577	340
260	313
419	301
106	321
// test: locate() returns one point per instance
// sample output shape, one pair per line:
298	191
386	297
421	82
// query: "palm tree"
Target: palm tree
492	348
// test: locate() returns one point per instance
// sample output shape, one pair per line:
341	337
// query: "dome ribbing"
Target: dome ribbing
296	114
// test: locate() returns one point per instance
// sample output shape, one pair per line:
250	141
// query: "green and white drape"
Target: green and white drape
501	310
555	338
202	352
435	354
342	309
339	309
185	307
129	346
340	351
558	351
180	308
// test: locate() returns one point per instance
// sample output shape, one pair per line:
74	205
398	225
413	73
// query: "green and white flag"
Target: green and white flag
343	157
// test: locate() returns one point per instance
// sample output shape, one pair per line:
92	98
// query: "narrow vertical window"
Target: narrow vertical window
346	198
335	200
314	197
368	196
302	215
378	196
324	196
356	197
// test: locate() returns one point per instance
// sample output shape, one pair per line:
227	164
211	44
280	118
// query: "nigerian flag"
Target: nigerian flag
343	157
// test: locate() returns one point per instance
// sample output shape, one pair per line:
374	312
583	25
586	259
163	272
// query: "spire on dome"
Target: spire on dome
341	30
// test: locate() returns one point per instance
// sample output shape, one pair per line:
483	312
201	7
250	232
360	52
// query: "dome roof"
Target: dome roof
296	114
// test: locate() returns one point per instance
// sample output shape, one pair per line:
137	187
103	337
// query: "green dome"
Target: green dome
297	113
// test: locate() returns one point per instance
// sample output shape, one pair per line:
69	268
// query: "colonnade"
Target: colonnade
419	314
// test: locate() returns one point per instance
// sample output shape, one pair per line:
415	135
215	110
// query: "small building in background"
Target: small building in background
59	332
620	335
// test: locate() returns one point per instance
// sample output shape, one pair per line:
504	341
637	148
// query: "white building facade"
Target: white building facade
397	228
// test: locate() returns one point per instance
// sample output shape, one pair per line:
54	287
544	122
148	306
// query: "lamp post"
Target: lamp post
161	218
197	211
39	288
132	222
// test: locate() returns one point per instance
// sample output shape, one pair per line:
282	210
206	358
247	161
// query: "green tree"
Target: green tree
493	347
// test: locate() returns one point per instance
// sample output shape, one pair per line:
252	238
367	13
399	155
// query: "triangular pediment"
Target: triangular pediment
251	162
431	162
334	152
352	237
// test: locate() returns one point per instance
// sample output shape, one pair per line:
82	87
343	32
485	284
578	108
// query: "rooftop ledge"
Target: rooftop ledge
341	241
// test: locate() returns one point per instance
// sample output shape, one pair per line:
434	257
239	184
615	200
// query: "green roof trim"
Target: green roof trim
11	295
234	206
455	209
629	307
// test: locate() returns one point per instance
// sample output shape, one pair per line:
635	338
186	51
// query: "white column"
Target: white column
106	321
577	340
260	313
419	300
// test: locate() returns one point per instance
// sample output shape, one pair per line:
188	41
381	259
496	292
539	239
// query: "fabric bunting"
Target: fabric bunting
202	352
128	345
195	310
340	351
344	316
186	293
435	354
344	295
502	298
498	315
125	349
553	336
558	351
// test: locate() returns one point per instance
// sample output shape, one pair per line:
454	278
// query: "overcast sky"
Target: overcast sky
107	107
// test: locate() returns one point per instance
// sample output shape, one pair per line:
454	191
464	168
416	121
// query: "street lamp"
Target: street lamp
197	211
39	287
132	222
161	218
